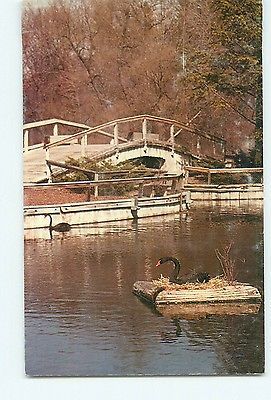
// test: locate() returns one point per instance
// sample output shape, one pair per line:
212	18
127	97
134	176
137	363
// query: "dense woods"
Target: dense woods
198	61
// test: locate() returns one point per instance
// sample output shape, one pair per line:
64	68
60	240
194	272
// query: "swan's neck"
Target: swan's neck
177	266
51	221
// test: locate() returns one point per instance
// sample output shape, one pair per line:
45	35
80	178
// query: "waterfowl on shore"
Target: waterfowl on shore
61	227
201	277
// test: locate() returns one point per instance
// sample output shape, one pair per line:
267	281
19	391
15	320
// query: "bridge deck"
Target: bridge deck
34	161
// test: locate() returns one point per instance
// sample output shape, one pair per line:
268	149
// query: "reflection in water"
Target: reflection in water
192	311
82	318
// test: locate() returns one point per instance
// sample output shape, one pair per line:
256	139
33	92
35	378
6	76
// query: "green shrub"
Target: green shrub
103	167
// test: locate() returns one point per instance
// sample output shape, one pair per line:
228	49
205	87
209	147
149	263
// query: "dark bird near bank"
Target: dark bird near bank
61	227
200	277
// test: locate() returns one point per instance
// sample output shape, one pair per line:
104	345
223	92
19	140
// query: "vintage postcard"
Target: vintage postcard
143	187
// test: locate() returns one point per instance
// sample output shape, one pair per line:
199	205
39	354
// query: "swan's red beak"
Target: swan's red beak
158	263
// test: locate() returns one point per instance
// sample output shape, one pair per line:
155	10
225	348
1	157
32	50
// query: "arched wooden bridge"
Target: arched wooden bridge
173	142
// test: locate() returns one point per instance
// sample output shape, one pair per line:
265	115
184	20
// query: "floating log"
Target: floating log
224	299
147	290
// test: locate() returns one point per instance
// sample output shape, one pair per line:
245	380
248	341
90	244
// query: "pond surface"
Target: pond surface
81	318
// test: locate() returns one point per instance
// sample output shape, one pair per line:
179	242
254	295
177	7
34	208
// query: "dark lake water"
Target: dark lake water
82	319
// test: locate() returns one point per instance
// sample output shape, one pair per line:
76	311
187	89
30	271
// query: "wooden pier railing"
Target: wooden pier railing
222	171
145	186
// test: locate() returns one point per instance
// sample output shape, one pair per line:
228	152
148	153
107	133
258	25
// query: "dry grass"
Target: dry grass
214	283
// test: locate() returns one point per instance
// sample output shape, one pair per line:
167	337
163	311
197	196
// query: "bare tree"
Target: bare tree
92	61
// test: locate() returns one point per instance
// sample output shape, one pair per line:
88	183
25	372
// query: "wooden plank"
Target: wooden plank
229	293
53	121
235	170
34	147
185	127
131	171
188	123
218	189
70	167
26	140
105	181
223	170
197	169
212	186
78	135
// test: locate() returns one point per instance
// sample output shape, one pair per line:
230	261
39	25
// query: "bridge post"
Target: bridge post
96	188
55	130
186	177
116	139
48	167
144	134
214	149
172	139
222	146
182	181
116	135
209	178
179	183
144	130
198	145
83	145
173	186
140	189
26	140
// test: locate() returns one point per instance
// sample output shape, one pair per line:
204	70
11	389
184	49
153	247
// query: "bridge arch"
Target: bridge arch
172	161
149	162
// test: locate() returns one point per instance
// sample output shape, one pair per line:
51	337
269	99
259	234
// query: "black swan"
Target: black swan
61	227
201	277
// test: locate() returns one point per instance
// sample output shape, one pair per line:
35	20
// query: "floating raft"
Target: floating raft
199	298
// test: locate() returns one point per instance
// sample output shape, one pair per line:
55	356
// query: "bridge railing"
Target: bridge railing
52	134
144	120
52	129
175	127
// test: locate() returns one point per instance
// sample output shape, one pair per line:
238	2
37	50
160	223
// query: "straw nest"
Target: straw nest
214	283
